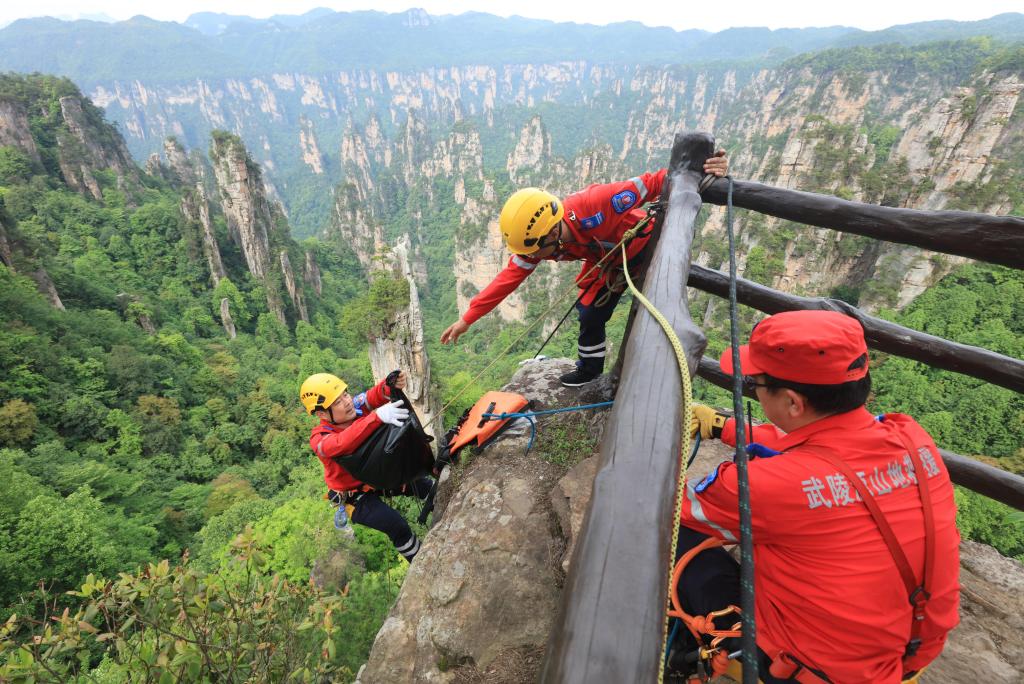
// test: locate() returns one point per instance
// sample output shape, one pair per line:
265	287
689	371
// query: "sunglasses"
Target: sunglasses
750	384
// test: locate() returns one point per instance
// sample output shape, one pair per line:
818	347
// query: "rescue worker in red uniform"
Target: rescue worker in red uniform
345	423
833	599
536	226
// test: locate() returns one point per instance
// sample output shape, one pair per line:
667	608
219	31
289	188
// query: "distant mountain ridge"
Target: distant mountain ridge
211	45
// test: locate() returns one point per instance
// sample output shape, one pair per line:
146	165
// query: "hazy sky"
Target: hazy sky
712	16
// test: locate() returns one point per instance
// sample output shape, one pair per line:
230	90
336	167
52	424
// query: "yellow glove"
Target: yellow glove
708	421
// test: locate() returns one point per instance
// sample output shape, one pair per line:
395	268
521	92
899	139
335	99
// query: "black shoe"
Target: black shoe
579	376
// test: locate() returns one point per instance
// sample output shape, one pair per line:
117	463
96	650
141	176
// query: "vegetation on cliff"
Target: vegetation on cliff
121	446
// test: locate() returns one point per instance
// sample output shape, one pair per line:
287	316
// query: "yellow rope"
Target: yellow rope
626	237
684	447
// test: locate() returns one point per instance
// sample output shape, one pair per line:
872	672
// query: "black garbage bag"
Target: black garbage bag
392	456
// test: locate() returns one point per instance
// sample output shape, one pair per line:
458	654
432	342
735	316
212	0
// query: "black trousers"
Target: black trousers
372	511
711	582
591	343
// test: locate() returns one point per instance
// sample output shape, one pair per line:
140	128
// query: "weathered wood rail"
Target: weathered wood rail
611	620
996	239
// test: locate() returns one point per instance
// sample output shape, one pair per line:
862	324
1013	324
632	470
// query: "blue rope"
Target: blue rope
530	415
671	637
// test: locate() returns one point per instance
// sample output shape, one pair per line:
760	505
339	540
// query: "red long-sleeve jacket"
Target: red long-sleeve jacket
597	217
329	440
827	590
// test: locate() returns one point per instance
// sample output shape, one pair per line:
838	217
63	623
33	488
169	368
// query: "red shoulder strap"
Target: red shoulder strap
917	593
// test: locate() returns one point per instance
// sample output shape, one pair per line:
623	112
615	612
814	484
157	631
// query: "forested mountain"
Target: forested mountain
288	86
153	334
157	321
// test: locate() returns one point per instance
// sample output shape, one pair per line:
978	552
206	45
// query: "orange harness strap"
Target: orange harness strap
701	625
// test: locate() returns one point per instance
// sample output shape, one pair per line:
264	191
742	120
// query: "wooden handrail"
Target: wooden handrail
605	631
996	239
880	334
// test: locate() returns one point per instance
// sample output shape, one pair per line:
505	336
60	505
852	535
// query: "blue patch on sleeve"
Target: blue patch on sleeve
756	450
359	402
592	222
623	201
708	480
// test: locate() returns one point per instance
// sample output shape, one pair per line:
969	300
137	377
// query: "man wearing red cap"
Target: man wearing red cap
854	525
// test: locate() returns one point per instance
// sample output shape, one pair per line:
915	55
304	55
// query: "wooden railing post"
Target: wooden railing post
611	623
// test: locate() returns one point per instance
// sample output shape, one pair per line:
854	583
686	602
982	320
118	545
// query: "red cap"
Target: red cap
810	347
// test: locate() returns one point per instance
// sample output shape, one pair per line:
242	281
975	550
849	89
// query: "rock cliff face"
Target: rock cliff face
251	219
195	205
87	147
244	202
918	138
403	346
481	596
478	603
14	130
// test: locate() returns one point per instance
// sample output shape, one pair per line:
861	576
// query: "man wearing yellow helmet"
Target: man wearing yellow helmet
536	226
346	422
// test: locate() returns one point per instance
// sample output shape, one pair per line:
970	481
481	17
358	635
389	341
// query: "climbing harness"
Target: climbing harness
653	209
627	236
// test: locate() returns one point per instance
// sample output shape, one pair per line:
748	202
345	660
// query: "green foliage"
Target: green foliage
177	624
371	315
990	522
18	422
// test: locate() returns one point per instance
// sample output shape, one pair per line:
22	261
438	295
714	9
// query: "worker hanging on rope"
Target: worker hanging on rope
371	435
854	525
536	226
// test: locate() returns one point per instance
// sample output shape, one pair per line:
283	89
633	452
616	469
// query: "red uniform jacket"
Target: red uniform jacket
598	214
329	440
827	590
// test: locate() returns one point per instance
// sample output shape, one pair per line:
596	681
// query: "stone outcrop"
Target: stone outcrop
403	347
251	219
91	146
6	254
482	592
243	201
307	144
311	273
47	288
297	298
14	130
225	318
532	150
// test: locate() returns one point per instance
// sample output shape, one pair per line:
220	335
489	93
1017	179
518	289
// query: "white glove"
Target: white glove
393	413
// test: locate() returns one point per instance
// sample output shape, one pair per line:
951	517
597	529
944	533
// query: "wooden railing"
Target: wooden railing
610	624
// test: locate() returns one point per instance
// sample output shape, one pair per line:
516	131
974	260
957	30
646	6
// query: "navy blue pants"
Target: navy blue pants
372	511
591	343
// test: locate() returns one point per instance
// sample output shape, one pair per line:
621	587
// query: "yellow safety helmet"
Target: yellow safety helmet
527	216
321	390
